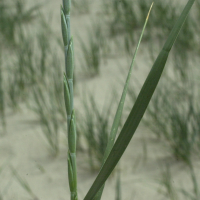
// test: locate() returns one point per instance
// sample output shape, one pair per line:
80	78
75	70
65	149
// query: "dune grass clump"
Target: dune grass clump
94	128
48	105
26	71
35	66
13	16
173	115
30	65
47	115
163	20
125	18
25	62
114	149
92	50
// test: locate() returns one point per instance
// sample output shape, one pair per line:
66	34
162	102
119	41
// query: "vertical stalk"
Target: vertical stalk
68	94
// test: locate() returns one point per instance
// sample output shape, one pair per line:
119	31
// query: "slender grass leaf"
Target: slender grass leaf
139	107
118	114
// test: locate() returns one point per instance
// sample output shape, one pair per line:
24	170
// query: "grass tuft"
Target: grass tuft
94	127
92	50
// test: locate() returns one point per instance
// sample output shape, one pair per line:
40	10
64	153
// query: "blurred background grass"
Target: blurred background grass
31	67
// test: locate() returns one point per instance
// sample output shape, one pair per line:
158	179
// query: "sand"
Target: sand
23	145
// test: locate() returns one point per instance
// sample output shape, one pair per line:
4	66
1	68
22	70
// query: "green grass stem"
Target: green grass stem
68	94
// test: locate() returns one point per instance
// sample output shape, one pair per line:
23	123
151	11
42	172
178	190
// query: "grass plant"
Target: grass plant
117	118
115	148
173	116
29	65
94	128
30	81
24	73
124	21
91	50
126	17
24	65
139	107
163	20
68	96
111	149
49	120
13	15
14	18
48	105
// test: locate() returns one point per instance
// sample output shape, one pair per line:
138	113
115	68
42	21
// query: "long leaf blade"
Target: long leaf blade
118	114
139	107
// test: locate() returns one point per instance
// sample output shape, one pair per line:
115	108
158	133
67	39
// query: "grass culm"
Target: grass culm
114	149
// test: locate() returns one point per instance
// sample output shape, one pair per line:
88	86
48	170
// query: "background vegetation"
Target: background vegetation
31	75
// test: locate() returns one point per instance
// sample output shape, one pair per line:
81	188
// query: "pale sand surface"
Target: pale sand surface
23	146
